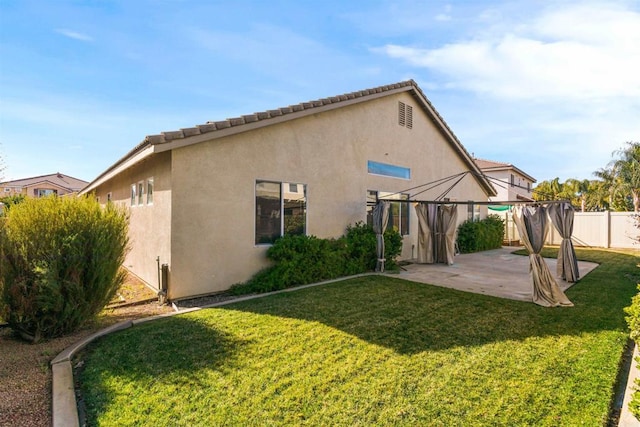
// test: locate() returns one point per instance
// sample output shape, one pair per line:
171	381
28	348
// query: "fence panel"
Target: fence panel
601	229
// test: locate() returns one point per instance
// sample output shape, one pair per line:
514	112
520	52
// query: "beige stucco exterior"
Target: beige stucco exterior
149	224
202	221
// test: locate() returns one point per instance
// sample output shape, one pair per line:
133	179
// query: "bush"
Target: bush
476	236
9	201
299	259
633	320
60	263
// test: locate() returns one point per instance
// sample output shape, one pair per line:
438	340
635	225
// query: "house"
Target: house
208	201
510	182
44	185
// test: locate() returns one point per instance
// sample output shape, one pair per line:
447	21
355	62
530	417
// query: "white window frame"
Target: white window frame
140	193
134	194
150	186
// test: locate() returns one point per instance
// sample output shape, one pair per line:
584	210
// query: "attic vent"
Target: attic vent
405	115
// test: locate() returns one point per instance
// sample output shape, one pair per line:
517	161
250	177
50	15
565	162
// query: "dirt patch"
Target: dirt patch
25	373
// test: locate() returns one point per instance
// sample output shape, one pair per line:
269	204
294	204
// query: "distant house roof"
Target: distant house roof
57	179
217	129
489	166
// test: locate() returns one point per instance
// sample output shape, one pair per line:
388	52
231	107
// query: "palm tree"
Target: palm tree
622	177
548	190
577	191
627	169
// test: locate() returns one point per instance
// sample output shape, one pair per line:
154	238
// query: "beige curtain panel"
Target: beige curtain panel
446	232
531	222
380	220
426	213
562	218
436	233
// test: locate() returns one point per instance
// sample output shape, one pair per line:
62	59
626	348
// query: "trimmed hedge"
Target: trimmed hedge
60	263
299	259
477	236
633	320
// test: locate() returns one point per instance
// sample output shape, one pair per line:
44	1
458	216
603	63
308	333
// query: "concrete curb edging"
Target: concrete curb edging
64	405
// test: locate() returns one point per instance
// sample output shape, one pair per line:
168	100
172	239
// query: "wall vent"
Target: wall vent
405	115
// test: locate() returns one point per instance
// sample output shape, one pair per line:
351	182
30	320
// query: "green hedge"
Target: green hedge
60	263
633	320
300	259
476	236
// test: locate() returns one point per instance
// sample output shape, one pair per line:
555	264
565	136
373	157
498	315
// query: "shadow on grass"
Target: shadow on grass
411	317
172	350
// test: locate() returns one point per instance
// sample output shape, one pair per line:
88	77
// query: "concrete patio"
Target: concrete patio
496	272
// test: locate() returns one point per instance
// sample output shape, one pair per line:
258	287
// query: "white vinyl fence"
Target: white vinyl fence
594	229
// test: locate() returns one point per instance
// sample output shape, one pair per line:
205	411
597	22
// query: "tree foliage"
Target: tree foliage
616	188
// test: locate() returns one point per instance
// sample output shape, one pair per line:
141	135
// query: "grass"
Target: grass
372	351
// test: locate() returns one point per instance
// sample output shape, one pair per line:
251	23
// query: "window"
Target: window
473	212
43	192
528	187
398	211
140	193
513	180
281	209
384	169
7	189
133	195
109	197
150	191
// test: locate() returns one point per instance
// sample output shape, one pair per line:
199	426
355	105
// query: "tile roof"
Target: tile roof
249	121
61	180
213	126
487	165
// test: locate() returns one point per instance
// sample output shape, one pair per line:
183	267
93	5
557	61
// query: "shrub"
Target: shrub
476	236
300	259
60	263
633	320
9	201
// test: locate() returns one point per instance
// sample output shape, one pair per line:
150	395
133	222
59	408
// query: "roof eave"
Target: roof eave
141	152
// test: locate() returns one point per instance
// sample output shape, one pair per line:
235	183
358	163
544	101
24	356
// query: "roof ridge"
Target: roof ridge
59	175
212	126
493	161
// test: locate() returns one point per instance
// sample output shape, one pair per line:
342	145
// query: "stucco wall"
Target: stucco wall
213	184
149	225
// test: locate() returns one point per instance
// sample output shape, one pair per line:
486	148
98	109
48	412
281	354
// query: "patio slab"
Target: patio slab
497	272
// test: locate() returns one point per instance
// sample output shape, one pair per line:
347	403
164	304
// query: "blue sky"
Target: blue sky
550	86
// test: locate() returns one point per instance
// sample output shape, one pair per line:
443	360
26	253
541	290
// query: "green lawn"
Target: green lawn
372	351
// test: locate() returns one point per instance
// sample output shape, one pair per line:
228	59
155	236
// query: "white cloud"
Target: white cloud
74	35
575	52
563	80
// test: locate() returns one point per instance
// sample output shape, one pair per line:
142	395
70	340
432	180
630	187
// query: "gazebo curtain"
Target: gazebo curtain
446	233
427	215
532	225
436	233
562	218
380	220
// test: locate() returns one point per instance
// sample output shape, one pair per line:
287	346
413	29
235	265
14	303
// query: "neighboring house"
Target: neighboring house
209	200
44	185
511	183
